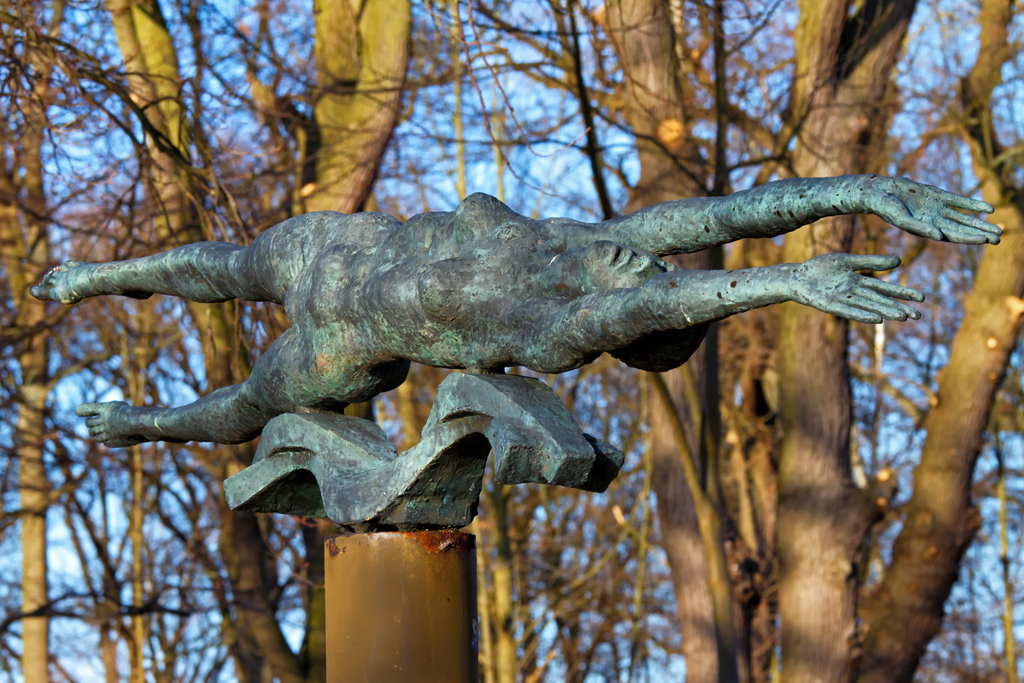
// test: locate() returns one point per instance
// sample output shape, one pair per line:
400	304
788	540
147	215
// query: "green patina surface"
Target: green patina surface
484	288
345	469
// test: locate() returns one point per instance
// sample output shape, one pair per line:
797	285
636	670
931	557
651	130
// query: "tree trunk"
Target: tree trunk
30	432
1009	638
506	652
25	250
151	62
680	536
905	611
35	496
671	167
152	65
362	49
843	65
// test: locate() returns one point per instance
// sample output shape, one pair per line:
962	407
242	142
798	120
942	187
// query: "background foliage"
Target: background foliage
813	545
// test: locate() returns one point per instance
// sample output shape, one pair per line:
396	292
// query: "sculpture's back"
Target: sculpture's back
481	289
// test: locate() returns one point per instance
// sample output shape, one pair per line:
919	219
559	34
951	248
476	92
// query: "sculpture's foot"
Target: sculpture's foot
58	285
116	424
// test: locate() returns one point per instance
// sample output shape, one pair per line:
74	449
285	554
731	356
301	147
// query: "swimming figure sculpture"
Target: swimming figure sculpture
484	288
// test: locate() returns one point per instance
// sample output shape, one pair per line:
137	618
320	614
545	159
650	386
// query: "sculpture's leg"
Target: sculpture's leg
228	415
281	381
205	271
218	416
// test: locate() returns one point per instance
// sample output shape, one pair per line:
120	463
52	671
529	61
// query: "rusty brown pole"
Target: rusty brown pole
401	606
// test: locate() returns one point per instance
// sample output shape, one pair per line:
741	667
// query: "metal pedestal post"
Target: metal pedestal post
401	606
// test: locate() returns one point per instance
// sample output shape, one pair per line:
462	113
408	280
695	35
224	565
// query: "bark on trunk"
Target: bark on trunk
905	611
35	495
671	167
362	49
506	652
681	539
251	572
843	65
30	432
680	536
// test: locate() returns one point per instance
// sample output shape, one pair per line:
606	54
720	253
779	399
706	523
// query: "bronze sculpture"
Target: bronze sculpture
483	288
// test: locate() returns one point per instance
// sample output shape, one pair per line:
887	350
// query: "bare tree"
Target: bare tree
25	247
905	610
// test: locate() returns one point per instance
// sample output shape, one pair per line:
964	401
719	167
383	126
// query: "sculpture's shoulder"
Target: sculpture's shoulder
570	233
479	219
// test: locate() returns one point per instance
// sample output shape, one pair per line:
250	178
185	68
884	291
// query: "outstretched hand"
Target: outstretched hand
927	211
831	284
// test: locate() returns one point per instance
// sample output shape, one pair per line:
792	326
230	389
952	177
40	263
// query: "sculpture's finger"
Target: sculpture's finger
918	227
891	290
880	306
40	292
965	203
853	313
990	231
889	207
93	421
873	262
960	234
972	221
889	304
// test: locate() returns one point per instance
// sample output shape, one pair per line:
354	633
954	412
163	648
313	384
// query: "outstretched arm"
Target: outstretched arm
556	337
773	209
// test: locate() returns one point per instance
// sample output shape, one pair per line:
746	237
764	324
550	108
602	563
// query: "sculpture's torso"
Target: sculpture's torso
452	279
467	289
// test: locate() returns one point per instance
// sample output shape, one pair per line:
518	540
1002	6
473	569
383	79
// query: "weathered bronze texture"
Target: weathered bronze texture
344	468
401	607
482	288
